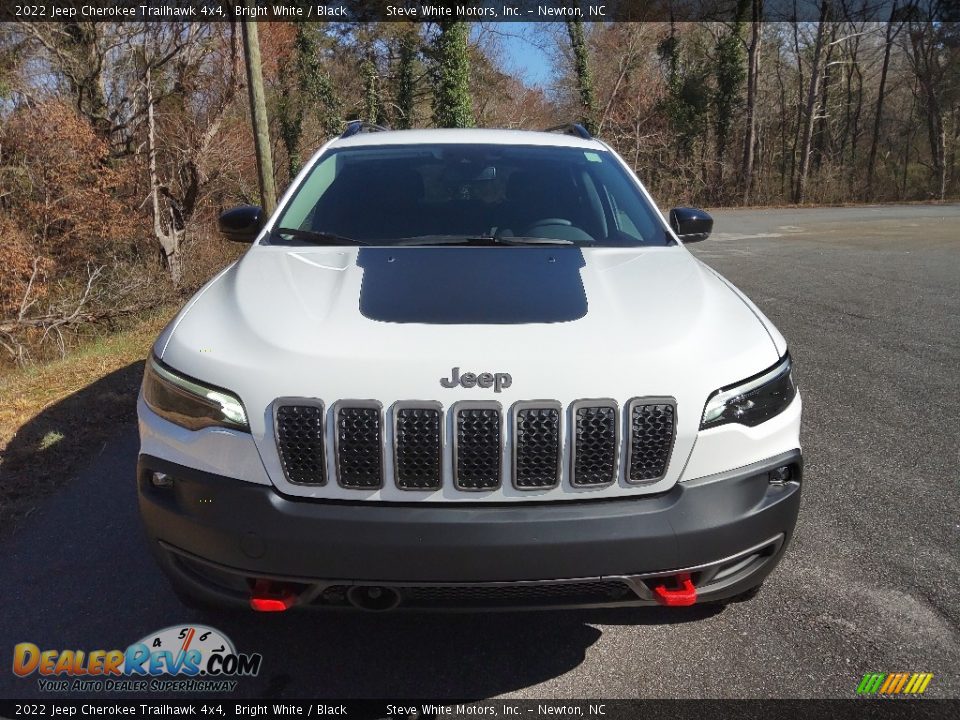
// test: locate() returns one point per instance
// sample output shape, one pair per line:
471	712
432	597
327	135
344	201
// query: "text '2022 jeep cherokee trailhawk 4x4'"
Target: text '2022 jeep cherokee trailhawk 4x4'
468	369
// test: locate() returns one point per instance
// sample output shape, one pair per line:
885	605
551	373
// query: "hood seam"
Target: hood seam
740	297
189	306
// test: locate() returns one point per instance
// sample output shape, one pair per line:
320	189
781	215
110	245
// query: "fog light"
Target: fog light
780	476
161	480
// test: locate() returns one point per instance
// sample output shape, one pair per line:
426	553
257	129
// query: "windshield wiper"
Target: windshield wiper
480	240
316	237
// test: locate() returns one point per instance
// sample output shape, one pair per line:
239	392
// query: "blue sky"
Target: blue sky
519	40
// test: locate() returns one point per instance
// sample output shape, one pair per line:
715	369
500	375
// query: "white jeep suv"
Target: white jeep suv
468	369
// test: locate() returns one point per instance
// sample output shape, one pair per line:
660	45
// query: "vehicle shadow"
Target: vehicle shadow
52	446
80	575
445	655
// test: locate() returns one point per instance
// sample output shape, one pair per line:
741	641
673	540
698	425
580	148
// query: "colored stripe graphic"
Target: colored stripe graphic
871	683
894	683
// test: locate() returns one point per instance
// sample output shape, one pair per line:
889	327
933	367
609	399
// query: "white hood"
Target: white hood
387	324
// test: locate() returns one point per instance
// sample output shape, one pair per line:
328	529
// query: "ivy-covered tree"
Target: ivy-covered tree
730	76
687	101
406	77
452	103
581	64
305	88
372	104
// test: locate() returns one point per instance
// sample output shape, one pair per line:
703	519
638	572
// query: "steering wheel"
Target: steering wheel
557	229
547	221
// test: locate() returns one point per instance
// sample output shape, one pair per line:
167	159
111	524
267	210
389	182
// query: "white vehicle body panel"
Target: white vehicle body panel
287	322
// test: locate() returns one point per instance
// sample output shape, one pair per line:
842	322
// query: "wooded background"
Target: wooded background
120	143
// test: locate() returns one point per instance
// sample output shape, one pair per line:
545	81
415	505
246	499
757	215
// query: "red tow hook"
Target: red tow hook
681	596
271	597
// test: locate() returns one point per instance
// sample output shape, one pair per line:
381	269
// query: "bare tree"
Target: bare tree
924	51
753	77
810	114
892	29
172	204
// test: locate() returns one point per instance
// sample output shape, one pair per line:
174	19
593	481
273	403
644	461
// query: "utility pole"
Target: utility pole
258	111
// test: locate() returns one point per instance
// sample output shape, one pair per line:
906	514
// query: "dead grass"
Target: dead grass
55	415
27	391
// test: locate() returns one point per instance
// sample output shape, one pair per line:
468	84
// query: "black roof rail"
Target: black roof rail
354	127
571	129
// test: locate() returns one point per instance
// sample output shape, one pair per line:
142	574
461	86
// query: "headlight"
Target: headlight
189	403
752	401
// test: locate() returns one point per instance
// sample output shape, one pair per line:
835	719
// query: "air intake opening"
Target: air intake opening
478	445
359	444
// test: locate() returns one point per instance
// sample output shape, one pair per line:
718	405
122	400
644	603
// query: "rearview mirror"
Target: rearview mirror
691	224
242	223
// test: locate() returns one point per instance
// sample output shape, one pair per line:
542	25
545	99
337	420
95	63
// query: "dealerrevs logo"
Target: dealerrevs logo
177	658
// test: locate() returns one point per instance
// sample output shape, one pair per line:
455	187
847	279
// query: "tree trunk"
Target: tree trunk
926	64
289	115
86	74
909	143
784	193
371	89
938	142
855	130
406	84
581	59
798	124
878	116
452	101
753	76
807	137
848	133
822	138
258	112
726	98
168	235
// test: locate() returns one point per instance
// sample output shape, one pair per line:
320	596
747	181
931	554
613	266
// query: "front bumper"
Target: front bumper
217	537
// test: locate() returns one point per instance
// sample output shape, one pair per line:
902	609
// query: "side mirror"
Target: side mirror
242	223
691	224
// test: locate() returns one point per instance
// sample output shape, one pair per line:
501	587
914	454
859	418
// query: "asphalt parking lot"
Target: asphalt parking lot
869	299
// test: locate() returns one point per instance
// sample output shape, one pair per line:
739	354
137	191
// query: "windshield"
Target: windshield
469	194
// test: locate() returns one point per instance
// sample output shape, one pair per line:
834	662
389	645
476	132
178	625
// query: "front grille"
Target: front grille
477	446
299	431
418	451
652	429
536	433
536	453
595	442
359	444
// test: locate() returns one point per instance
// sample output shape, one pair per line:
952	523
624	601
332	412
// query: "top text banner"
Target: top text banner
477	10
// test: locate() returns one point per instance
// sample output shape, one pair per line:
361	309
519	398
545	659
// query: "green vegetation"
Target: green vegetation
452	102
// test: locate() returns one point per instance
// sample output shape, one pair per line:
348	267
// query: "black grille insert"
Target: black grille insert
477	451
417	434
595	443
518	595
652	430
536	455
300	443
359	443
579	592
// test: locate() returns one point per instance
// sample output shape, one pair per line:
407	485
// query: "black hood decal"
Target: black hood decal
461	285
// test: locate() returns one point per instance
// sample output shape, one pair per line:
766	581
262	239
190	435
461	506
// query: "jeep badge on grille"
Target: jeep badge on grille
498	381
